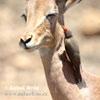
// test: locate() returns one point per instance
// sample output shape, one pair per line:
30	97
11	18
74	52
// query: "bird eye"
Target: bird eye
52	15
24	16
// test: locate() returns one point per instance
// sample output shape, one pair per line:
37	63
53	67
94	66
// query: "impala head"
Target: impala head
40	17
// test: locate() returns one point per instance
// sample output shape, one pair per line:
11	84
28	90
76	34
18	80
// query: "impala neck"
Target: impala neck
59	75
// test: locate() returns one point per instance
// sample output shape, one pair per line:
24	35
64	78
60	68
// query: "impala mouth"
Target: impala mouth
31	46
30	49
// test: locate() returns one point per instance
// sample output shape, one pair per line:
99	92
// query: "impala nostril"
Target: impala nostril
28	40
22	42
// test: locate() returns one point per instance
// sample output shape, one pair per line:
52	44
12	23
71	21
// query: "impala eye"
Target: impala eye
24	16
52	15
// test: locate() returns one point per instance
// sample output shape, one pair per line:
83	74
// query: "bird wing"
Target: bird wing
73	53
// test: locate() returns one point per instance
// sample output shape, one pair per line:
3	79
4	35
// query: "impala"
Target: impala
44	32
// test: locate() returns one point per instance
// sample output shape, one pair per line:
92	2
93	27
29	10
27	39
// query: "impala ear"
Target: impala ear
64	5
71	3
61	3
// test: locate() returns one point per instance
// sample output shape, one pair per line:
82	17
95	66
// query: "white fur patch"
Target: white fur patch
85	93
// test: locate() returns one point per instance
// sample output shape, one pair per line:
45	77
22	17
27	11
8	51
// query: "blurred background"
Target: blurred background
19	68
